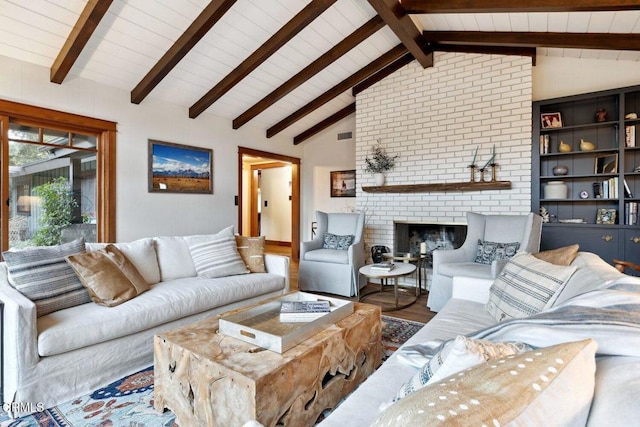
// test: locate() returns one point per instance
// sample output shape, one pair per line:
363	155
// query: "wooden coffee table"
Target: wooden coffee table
210	379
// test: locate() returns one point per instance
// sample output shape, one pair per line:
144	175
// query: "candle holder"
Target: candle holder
472	173
493	171
482	177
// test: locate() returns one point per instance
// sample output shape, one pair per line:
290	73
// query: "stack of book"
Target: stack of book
631	213
382	266
303	311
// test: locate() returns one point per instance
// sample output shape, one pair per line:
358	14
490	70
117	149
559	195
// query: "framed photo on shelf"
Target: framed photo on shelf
606	216
606	163
177	168
551	120
343	183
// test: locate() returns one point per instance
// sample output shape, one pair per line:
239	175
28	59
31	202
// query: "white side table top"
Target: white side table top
400	269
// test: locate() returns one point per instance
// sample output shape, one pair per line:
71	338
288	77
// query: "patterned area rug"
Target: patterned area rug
129	401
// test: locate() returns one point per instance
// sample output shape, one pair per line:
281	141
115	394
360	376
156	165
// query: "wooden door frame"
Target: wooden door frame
295	191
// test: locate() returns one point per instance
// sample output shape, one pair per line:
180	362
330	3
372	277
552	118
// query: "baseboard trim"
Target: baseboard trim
277	243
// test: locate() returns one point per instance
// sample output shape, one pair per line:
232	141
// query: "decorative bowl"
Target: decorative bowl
560	170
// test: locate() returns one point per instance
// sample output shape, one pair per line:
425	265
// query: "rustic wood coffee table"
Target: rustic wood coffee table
210	379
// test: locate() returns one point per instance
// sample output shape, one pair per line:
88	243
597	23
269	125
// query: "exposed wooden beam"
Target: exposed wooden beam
351	41
271	46
386	71
611	41
332	119
87	23
344	85
404	28
497	6
200	26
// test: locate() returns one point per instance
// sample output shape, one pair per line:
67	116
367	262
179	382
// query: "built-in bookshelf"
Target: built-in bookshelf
591	143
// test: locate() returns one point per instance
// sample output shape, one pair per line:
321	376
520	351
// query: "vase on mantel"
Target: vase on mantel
379	179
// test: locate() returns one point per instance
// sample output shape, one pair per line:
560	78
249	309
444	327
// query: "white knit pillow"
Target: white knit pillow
216	255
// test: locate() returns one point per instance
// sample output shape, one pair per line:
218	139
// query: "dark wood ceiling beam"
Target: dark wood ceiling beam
332	119
610	41
497	6
271	46
386	71
341	87
351	41
81	32
405	29
198	28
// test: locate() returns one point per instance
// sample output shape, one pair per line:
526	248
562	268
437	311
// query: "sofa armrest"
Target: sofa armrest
278	264
444	256
471	288
20	344
497	266
310	245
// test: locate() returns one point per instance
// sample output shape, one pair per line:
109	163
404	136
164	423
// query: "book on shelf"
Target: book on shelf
382	266
627	190
631	213
630	136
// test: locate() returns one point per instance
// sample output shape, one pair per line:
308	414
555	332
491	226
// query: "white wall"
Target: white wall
139	213
434	119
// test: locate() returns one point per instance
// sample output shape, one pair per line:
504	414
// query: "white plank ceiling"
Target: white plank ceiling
135	34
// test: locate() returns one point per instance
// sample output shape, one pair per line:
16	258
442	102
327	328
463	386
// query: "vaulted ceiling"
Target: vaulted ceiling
293	66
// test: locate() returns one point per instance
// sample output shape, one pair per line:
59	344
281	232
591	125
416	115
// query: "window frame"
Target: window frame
105	165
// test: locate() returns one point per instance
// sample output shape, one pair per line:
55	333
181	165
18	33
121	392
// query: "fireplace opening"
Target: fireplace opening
408	237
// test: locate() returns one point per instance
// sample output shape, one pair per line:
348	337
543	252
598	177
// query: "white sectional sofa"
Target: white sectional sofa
617	363
58	356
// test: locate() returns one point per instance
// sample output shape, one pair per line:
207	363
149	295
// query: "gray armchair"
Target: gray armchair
525	229
334	271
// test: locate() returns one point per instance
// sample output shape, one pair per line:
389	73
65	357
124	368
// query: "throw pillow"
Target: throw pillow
108	275
559	256
524	286
43	275
216	255
251	250
487	252
141	253
546	386
334	241
456	355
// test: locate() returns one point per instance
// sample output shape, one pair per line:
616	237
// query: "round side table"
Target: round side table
400	269
419	259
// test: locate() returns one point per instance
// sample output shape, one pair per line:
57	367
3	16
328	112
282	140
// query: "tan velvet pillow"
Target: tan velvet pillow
110	278
252	252
559	256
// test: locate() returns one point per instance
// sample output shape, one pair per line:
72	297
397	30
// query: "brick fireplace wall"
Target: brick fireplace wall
434	119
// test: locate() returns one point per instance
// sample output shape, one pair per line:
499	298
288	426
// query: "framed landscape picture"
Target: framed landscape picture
177	168
343	183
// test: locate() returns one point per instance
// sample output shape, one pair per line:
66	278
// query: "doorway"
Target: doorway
256	214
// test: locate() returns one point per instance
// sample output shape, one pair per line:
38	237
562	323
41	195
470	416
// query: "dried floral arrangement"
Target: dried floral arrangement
379	161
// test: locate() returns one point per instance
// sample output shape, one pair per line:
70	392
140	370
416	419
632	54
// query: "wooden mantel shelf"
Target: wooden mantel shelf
444	186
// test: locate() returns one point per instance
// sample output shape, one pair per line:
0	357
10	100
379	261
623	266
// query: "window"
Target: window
57	177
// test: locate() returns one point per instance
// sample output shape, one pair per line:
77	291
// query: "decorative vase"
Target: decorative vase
555	190
564	147
560	170
379	179
586	145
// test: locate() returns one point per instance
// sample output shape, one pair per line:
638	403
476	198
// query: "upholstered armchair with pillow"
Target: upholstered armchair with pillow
491	240
330	262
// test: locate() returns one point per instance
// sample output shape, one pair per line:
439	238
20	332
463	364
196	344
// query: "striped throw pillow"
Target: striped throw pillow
43	275
216	255
524	286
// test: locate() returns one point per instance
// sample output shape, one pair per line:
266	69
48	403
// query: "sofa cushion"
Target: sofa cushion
251	250
43	275
88	324
524	286
560	256
327	255
613	404
456	355
174	258
216	255
334	241
109	277
487	252
546	386
142	253
471	269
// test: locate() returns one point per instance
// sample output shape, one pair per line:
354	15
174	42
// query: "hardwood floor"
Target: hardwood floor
417	312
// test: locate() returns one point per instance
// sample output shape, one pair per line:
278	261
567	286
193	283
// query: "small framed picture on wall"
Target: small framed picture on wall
343	183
